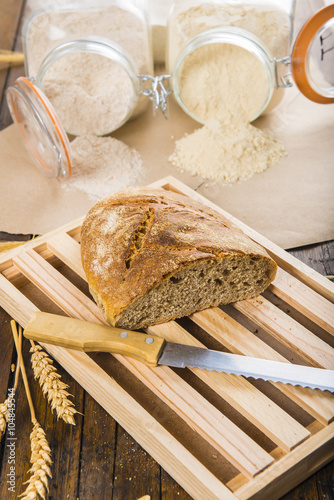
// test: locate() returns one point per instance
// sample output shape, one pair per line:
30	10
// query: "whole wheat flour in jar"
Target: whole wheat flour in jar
91	93
103	165
226	83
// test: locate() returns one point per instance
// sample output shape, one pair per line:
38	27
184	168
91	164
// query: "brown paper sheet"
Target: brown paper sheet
291	203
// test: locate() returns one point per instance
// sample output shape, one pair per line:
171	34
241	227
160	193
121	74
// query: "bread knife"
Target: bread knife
151	350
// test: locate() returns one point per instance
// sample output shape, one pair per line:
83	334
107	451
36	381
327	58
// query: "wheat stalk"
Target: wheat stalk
40	450
52	387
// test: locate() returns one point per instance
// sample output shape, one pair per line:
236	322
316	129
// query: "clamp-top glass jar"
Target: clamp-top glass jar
82	62
231	59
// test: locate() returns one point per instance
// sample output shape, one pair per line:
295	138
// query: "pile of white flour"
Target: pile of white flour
226	153
90	93
227	84
103	165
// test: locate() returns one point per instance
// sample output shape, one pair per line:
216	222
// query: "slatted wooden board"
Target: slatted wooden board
219	436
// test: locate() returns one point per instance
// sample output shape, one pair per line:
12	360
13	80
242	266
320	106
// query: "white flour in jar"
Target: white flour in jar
91	94
103	165
226	83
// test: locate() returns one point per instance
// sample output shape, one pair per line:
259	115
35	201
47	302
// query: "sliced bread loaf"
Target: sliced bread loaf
151	255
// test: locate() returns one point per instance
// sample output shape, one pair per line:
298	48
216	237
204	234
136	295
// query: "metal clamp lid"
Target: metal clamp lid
154	88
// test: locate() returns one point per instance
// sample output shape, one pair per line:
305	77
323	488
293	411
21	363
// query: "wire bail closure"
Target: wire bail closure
157	89
284	80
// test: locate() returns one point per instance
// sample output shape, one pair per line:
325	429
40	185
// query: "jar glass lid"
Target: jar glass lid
41	129
312	59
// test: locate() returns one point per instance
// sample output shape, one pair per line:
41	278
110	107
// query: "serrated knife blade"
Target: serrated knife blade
181	356
153	351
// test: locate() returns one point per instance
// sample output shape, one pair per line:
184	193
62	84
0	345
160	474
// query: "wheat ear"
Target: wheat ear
6	406
40	459
51	385
40	450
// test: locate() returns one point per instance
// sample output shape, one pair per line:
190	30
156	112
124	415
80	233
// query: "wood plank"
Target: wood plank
239	481
56	287
15	303
13	274
6	356
285	260
291	469
242	395
319	257
288	331
39	244
170	490
324	482
65	466
304	299
196	411
68	250
97	452
239	340
134	469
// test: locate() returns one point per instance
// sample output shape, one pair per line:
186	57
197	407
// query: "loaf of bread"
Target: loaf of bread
152	255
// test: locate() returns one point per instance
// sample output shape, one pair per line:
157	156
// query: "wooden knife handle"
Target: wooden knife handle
89	337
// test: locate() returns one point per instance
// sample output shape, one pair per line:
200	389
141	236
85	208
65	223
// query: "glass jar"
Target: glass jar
230	59
82	62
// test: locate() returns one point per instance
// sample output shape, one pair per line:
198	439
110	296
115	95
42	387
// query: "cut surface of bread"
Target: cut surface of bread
152	255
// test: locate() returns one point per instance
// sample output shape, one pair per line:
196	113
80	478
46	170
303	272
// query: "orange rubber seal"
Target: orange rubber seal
299	53
54	120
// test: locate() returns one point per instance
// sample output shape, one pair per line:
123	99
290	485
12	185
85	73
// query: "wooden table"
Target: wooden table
97	458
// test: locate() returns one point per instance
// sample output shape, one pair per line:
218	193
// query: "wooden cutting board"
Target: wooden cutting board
219	436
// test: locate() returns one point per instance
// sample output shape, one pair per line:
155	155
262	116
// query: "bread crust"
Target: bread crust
138	237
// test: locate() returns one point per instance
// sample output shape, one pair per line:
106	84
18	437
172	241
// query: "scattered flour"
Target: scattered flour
224	86
226	153
103	165
90	93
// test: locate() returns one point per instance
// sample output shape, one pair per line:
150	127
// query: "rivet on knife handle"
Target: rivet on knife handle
89	337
